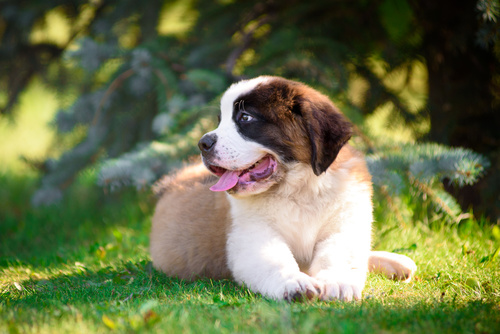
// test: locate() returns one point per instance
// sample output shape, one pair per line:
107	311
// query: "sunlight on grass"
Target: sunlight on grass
27	133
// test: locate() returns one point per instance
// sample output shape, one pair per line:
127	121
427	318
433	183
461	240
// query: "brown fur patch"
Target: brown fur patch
298	122
280	127
354	161
188	235
183	178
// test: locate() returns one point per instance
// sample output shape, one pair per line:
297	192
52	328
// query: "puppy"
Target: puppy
281	202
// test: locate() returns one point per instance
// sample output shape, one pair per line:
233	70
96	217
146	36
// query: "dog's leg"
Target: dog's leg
259	258
341	267
392	265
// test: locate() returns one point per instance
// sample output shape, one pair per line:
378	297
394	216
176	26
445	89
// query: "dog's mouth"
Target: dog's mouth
261	170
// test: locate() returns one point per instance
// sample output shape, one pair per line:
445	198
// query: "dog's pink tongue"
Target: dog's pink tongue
227	181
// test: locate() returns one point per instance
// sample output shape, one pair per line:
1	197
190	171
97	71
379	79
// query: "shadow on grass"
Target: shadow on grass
61	232
112	286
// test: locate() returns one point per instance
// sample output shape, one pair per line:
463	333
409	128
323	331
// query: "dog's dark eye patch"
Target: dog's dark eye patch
275	106
243	106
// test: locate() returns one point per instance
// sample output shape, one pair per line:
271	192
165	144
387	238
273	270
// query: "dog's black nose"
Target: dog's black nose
207	142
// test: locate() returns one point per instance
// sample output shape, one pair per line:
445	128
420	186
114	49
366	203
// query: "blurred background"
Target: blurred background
105	95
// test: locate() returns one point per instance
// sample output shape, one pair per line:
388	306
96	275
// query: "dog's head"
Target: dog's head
267	124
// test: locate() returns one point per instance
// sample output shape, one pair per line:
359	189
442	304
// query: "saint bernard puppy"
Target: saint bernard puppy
281	202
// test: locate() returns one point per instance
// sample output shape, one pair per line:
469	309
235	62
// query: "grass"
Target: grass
83	266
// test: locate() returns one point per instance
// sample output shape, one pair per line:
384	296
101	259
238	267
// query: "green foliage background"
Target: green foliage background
138	85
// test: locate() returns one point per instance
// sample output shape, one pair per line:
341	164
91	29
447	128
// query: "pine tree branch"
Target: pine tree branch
432	194
392	205
380	94
38	56
248	38
368	142
78	28
168	92
22	71
112	87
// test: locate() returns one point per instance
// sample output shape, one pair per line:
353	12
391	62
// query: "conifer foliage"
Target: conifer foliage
421	169
149	77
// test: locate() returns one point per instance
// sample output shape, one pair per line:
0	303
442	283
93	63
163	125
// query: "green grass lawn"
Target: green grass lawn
83	266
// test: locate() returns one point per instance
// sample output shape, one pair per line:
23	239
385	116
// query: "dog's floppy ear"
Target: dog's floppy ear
327	128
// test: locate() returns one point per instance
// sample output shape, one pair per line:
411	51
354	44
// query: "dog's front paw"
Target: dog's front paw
302	287
342	287
341	290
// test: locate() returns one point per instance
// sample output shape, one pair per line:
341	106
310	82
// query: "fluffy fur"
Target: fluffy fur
290	215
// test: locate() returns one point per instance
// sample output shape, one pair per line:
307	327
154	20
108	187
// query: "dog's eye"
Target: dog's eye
245	117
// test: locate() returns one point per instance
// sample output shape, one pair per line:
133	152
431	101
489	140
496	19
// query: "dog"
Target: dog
280	203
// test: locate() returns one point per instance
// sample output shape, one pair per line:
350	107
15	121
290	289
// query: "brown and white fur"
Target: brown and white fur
291	211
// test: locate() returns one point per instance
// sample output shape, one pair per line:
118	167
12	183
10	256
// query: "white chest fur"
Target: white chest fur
305	210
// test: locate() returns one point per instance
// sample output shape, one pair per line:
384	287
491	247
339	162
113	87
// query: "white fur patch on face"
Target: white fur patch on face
232	151
236	90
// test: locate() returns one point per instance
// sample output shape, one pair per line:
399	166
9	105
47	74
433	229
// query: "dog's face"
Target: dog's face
267	124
